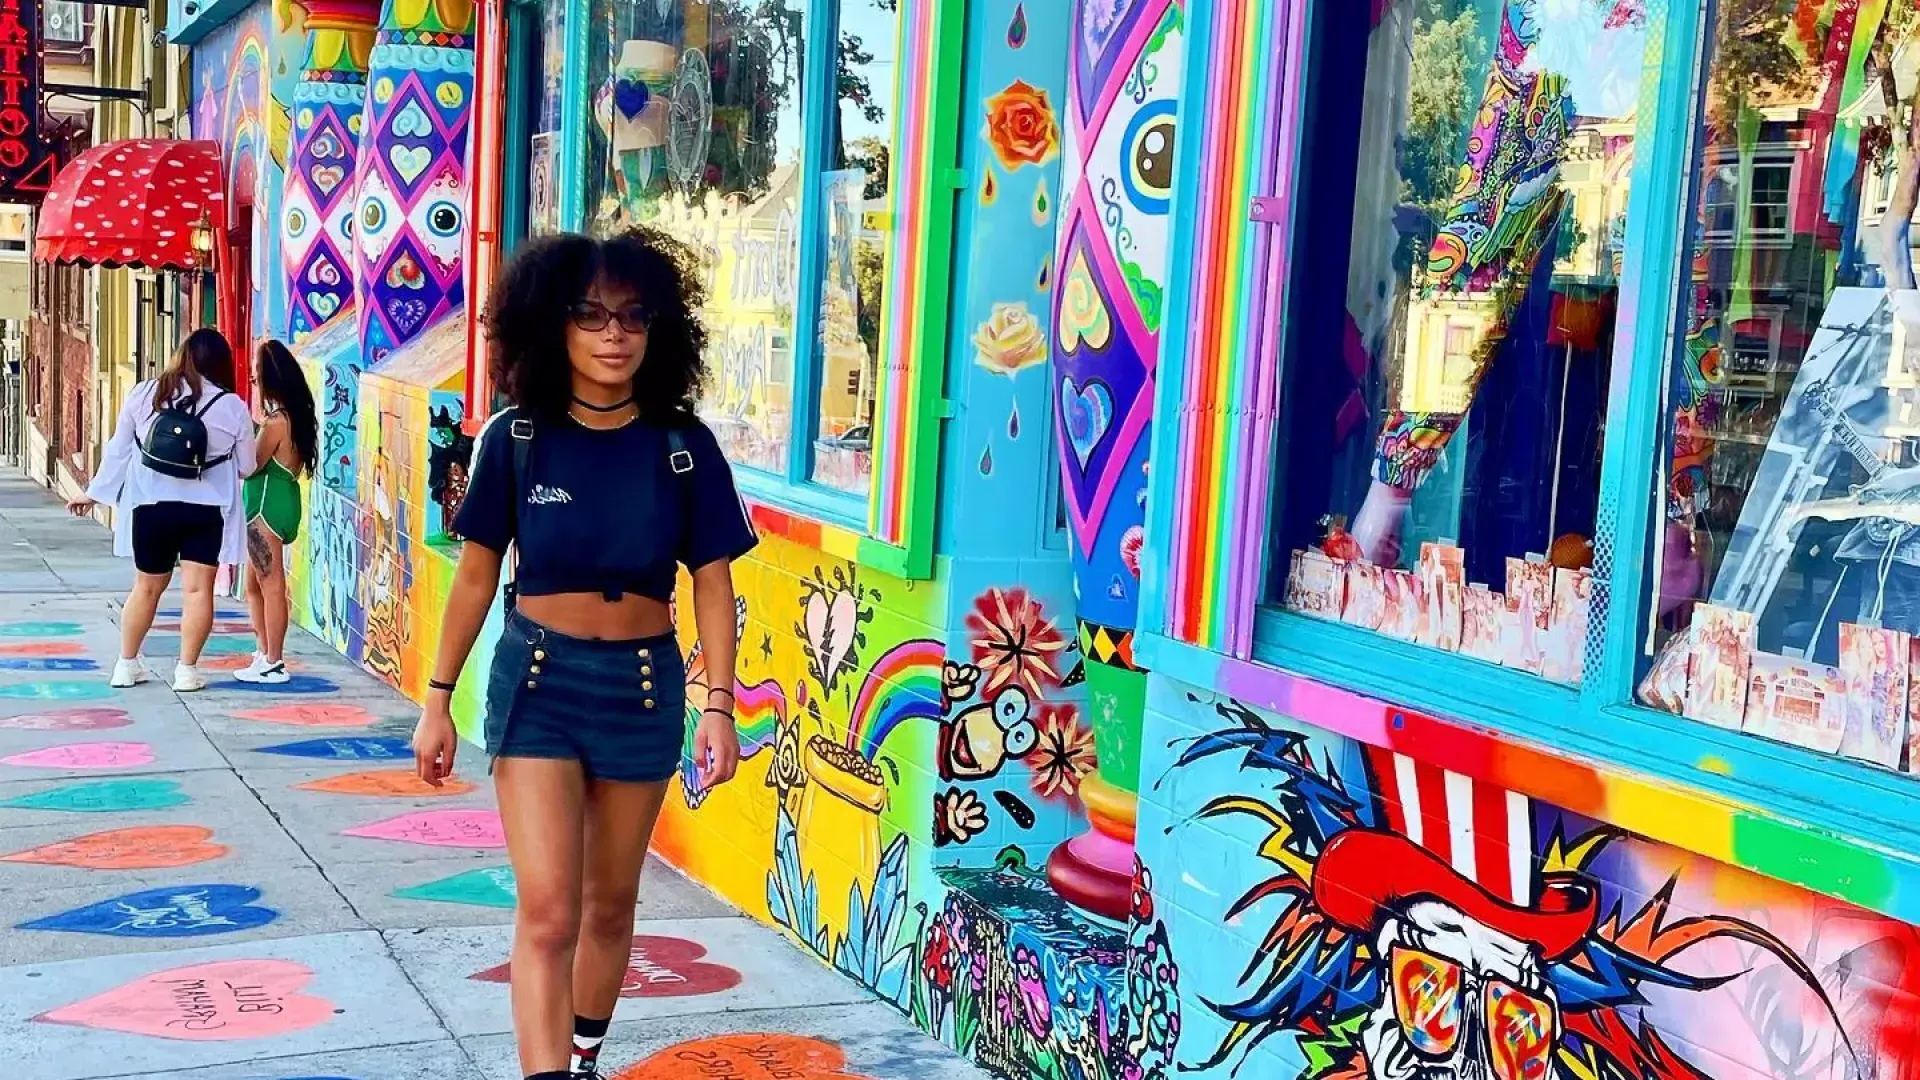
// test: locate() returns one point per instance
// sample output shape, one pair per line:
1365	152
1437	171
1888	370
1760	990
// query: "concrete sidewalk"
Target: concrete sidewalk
245	884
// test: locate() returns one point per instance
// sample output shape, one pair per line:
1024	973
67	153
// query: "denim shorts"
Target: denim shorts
616	707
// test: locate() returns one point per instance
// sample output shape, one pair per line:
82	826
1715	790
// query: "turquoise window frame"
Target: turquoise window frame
1821	822
524	76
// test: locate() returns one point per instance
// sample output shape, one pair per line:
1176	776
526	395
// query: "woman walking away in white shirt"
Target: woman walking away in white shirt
172	475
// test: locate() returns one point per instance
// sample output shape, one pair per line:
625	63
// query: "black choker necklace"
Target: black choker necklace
615	407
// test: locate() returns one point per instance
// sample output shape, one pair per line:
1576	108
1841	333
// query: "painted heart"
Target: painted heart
438	828
656	967
223	1001
297	685
44	648
746	1056
407	315
832	621
406	273
1087	412
94	755
383	748
310	715
327	177
81	719
103	797
39	629
489	886
148	847
1083	314
387	783
57	690
412	122
46	663
324	305
410	161
175	911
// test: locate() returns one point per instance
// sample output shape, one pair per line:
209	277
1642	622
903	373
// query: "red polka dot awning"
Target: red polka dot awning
132	203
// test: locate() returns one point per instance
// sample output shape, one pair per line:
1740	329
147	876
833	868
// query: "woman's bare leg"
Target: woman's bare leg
619	826
269	558
257	569
540	806
196	609
137	617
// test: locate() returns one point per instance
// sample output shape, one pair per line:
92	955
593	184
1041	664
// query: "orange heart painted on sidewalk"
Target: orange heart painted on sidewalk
237	661
309	715
43	648
745	1057
149	847
387	783
223	1001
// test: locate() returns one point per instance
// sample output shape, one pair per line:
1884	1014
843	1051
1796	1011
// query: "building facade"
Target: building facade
1298	538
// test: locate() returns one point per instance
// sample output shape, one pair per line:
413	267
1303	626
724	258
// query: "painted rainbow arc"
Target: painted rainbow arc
904	684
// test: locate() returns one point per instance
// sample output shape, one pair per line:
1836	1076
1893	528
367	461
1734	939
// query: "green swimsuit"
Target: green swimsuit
272	497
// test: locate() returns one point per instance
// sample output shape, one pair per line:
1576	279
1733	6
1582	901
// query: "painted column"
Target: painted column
409	227
317	237
1111	264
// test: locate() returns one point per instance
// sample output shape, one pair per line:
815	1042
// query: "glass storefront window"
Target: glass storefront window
858	193
697	130
543	142
1785	572
1442	427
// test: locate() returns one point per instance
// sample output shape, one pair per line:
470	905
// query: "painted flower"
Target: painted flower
957	681
1132	542
1142	892
1014	641
1021	126
1010	340
936	958
1063	756
958	816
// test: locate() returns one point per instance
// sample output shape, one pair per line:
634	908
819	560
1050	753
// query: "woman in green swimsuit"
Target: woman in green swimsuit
288	446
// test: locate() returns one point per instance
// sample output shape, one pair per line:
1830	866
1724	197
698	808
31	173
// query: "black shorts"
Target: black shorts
166	533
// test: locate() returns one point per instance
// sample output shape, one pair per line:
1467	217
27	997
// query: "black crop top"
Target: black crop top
603	511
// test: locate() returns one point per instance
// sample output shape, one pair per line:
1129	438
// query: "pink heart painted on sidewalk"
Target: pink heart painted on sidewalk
310	715
68	720
223	1001
92	755
439	828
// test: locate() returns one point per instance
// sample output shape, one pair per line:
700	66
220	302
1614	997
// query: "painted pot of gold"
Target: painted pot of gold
838	828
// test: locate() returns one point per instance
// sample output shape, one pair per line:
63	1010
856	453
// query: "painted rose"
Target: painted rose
1011	340
1021	127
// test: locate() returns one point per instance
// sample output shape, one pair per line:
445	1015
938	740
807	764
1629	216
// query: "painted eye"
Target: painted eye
296	223
347	225
1011	707
443	218
1020	738
1148	155
373	216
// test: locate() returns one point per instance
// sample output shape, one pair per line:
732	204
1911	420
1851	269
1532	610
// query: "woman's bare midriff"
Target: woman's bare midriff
593	616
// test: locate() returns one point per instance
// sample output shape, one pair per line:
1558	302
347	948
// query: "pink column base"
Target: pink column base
1094	871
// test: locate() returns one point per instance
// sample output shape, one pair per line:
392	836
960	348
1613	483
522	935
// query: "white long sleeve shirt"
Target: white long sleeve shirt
125	482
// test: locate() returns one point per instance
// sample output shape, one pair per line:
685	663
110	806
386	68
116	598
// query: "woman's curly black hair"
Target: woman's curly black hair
526	319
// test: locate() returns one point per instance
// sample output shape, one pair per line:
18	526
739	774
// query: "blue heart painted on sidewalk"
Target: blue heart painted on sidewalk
58	690
103	797
46	663
359	748
295	684
171	912
39	629
489	886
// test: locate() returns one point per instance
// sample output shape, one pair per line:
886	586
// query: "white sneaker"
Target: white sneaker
130	672
263	670
187	679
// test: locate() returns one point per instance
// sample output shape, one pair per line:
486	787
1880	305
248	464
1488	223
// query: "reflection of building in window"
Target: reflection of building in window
1772	189
1443	336
64	22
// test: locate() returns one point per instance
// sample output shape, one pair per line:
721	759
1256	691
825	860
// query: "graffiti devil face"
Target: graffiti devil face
1463	1000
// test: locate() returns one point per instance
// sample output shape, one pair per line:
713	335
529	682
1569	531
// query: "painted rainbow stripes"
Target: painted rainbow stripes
904	684
903	318
1231	316
758	713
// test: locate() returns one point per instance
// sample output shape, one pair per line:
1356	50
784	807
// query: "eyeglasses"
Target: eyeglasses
1430	998
592	317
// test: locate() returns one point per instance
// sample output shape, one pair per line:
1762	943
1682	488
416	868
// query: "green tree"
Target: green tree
1441	89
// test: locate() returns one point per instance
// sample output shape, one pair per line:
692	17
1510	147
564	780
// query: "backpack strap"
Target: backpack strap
201	415
521	431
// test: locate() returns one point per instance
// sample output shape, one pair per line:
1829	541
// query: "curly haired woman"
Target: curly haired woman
600	480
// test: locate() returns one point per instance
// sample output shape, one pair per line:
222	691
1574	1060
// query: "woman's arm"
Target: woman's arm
267	443
475	581
716	745
114	462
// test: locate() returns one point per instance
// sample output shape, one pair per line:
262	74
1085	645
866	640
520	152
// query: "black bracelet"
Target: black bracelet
728	713
436	684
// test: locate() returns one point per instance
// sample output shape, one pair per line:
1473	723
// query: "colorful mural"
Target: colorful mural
317	223
1364	913
1110	265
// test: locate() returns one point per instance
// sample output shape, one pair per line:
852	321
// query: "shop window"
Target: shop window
698	131
1445	398
537	39
858	195
1785	564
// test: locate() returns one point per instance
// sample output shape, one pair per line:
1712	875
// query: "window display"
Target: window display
698	131
1442	432
858	197
1787	583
